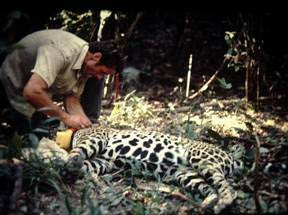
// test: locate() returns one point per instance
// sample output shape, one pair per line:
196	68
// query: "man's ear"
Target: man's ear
97	56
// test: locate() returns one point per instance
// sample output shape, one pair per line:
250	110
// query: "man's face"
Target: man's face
93	68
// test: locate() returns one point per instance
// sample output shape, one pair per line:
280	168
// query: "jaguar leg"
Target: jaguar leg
80	156
191	181
217	180
97	166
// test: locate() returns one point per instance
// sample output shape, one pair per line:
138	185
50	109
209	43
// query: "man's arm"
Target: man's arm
73	106
35	92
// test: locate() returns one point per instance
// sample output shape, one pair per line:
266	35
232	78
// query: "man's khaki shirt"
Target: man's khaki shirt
55	55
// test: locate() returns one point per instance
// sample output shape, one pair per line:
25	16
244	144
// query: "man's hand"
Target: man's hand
76	121
77	117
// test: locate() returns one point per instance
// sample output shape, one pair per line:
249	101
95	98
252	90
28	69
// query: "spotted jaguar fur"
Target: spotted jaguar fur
194	165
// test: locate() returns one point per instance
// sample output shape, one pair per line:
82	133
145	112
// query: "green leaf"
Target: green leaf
263	205
223	83
242	195
68	204
55	185
263	150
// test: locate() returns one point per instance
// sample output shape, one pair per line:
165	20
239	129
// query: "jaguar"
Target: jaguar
194	165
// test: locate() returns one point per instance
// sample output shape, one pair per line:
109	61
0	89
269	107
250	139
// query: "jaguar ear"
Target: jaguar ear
63	138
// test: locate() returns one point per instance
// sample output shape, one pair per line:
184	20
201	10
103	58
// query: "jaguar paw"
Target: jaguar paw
74	162
224	201
70	175
209	200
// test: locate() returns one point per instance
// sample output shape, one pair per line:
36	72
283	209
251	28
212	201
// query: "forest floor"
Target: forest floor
223	120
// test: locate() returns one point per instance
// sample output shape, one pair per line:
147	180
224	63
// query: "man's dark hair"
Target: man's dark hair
111	54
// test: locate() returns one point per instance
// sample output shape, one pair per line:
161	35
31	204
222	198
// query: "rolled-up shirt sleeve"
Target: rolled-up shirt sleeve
50	61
